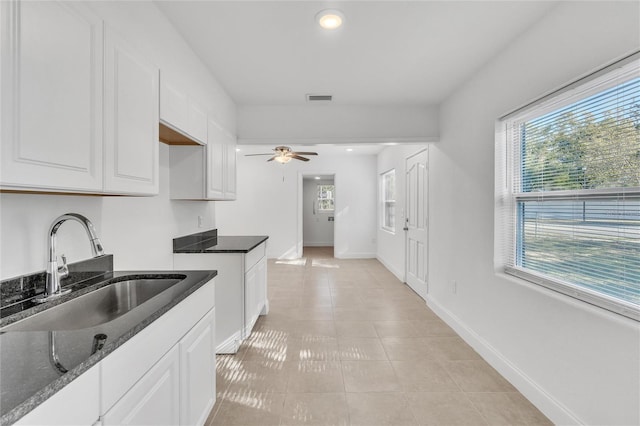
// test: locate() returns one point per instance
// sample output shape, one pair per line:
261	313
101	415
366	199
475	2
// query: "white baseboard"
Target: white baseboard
354	255
327	244
553	409
399	274
231	345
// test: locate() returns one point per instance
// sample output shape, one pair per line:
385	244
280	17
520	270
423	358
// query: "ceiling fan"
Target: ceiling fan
284	154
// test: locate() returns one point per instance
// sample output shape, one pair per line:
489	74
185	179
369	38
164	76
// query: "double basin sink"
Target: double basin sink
109	301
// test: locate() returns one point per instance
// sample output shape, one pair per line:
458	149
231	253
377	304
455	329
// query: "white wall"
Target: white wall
391	245
307	124
138	231
576	362
267	203
317	230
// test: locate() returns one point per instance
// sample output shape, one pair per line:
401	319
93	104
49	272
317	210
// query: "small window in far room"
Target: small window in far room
326	196
389	200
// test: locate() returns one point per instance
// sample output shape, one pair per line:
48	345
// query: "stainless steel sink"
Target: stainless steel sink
120	296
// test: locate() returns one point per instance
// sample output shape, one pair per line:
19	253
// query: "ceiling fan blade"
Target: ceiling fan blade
252	155
297	157
272	158
305	153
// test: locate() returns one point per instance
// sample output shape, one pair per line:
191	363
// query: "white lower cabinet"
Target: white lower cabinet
198	372
78	403
255	284
241	291
154	400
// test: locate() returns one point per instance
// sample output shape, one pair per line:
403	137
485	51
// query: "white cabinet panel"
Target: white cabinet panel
215	162
173	106
230	169
181	113
198	372
154	400
75	404
131	120
197	122
51	96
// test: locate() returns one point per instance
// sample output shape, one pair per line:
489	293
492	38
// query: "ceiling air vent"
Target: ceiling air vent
319	98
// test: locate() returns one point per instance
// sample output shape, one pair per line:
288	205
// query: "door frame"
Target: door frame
300	212
428	221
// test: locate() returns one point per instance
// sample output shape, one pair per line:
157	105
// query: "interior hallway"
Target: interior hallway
346	343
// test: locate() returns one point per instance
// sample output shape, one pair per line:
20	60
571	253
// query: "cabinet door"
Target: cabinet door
51	84
154	399
230	169
75	404
215	161
198	372
131	120
251	303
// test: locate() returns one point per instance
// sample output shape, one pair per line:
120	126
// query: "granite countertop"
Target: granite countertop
210	242
29	377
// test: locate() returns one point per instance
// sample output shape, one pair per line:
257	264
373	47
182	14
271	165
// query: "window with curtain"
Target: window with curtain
389	200
573	190
326	197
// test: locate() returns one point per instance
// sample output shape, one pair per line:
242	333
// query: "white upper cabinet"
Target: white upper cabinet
180	113
131	120
221	163
205	172
51	85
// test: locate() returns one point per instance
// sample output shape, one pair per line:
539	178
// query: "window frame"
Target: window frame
509	194
387	204
320	199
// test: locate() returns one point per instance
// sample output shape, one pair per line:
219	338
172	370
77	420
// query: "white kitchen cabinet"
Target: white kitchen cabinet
240	291
75	404
205	172
182	114
255	284
131	120
154	400
198	372
51	84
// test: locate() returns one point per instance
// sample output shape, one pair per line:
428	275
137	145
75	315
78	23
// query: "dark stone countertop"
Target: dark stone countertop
28	376
210	242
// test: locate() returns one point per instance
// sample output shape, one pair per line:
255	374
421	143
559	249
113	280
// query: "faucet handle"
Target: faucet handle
63	270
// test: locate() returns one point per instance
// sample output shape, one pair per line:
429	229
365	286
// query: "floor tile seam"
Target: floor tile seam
408	405
475	406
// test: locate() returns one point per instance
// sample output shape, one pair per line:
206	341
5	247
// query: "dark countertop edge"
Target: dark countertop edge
52	388
197	247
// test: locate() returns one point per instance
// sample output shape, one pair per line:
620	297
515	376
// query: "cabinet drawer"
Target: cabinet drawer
254	256
127	364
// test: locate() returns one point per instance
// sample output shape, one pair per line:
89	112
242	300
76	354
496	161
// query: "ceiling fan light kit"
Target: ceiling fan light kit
284	154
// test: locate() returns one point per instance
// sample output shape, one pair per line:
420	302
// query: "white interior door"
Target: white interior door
416	223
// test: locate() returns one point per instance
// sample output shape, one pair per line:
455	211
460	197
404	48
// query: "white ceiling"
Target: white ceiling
387	52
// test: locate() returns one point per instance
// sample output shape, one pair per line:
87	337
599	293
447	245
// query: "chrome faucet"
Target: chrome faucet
54	273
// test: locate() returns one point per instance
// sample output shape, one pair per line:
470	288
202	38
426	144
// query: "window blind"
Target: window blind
574	223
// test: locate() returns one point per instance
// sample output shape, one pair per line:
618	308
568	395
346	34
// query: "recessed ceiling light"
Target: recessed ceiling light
237	149
317	177
349	149
330	19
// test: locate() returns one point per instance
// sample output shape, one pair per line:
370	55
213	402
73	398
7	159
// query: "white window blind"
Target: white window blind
574	219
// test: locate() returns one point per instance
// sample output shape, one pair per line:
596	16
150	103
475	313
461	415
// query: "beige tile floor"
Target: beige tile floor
346	343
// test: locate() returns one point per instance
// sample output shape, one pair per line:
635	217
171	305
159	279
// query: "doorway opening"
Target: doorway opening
318	214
